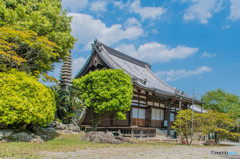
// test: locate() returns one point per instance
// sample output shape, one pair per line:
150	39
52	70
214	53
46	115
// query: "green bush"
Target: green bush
107	92
24	100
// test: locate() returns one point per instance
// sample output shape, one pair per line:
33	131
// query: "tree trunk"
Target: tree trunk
217	137
187	139
202	137
95	122
94	125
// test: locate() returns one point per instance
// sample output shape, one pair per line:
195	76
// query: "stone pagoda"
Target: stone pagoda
66	73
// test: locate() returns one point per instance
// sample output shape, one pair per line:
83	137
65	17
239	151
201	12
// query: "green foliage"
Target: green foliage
205	123
222	102
47	21
107	92
24	100
68	103
25	50
183	123
44	17
237	124
220	124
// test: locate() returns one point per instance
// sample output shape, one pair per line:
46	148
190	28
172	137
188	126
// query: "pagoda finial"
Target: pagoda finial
96	41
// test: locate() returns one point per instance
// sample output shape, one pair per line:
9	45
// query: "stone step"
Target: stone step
163	132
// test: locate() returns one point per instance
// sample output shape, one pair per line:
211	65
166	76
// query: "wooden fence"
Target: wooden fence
132	131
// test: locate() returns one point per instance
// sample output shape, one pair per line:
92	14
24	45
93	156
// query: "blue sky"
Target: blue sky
191	44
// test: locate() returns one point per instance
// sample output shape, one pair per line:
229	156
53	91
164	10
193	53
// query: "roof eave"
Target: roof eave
168	94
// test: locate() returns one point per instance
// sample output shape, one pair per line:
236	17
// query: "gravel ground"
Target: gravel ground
151	152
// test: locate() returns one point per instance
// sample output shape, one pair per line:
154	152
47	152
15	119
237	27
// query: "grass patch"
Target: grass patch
63	143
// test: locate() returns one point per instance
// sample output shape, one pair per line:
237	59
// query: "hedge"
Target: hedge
24	100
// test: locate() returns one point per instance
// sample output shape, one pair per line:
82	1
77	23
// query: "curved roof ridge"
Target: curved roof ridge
164	83
85	65
113	61
124	56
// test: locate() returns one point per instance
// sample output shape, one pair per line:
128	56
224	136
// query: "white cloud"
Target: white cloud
99	6
154	52
120	4
132	22
147	12
74	5
226	27
154	31
202	9
207	55
235	10
85	28
173	75
77	64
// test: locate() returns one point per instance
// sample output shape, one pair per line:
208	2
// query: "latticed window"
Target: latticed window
139	113
157	114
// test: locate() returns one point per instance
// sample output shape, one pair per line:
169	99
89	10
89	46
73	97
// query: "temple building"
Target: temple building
154	103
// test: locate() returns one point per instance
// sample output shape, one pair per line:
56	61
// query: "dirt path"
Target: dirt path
150	152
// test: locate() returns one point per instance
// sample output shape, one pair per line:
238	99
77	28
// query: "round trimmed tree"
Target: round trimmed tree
106	91
24	101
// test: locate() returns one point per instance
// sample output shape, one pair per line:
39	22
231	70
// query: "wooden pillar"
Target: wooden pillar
130	117
201	107
148	112
180	103
168	118
139	97
179	139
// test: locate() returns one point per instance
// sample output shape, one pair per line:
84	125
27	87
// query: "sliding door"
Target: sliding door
157	118
138	117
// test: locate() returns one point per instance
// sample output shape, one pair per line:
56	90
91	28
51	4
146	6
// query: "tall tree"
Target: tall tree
183	123
223	102
44	17
214	122
107	92
25	50
205	123
237	124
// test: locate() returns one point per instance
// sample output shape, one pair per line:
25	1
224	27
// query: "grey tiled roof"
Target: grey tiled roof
138	70
197	109
125	57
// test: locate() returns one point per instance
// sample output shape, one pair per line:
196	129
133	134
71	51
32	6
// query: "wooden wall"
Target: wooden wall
109	120
141	100
138	122
157	123
89	117
106	122
117	122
